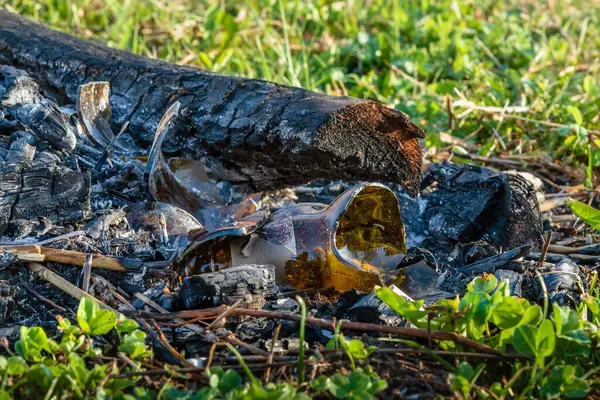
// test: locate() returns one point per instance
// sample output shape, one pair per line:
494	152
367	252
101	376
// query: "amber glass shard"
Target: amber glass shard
355	242
182	183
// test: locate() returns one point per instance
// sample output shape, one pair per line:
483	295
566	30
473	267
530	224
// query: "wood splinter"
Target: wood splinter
70	257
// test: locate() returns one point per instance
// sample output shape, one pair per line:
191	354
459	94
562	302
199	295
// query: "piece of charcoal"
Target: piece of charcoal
467	203
370	309
476	251
345	301
17	88
416	254
226	286
419	281
287	305
563	276
490	264
254	329
7	260
31	191
515	280
153	294
48	123
20	151
7	301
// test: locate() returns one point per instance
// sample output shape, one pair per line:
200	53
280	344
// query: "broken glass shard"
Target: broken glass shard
355	242
94	110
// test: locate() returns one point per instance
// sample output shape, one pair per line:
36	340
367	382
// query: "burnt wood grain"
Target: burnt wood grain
251	132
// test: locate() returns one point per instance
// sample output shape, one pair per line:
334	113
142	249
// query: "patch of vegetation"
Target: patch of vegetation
78	365
559	350
543	56
534	352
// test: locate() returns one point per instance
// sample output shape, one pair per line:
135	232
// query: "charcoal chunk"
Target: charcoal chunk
226	286
28	192
515	280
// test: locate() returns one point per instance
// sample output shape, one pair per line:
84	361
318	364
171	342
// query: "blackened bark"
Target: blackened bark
227	286
30	191
246	131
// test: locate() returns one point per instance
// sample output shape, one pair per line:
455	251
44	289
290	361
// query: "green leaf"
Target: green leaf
566	380
338	386
126	325
589	214
508	313
588	84
465	369
319	384
574	344
524	339
411	310
16	366
545	338
532	316
358	381
574	111
103	322
86	312
230	381
485	283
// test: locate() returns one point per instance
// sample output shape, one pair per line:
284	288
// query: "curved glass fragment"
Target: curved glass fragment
355	242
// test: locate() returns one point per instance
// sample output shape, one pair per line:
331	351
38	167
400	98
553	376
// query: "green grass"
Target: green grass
407	54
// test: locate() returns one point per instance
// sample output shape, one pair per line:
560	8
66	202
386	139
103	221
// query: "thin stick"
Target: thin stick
544	250
63	284
87	273
272	352
224	314
163	340
133	365
450	108
328	324
252	349
42	298
150	302
211	355
190	324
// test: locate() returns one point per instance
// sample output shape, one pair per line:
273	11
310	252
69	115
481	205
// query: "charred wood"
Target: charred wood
30	191
245	131
228	285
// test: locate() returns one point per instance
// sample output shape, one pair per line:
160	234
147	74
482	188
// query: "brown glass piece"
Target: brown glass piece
355	242
185	184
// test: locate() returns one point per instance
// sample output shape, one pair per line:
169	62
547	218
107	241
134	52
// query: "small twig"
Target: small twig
151	303
155	372
164	233
63	284
252	349
87	273
272	352
224	314
211	355
490	110
42	298
133	365
450	108
163	340
544	250
329	324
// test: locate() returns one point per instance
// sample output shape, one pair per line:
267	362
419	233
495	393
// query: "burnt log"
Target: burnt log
249	132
